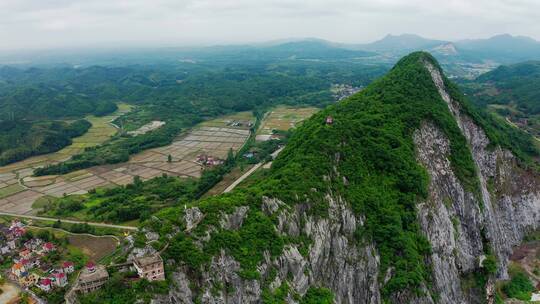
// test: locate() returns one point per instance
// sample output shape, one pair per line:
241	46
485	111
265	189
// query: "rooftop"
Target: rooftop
98	274
148	260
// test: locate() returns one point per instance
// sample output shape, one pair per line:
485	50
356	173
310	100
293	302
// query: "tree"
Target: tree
137	182
57	224
169	158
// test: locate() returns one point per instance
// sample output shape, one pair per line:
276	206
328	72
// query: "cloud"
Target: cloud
61	23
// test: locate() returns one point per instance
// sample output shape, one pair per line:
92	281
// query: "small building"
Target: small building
18	269
11	244
27	264
17	232
34	262
276	137
25	254
249	155
16	224
48	247
60	279
4	249
67	267
150	267
33	244
45	284
29	280
208	160
92	277
329	120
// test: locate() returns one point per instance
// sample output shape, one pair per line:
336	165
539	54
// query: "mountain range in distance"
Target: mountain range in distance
463	58
503	48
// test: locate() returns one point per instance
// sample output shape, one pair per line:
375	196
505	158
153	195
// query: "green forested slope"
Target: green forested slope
370	145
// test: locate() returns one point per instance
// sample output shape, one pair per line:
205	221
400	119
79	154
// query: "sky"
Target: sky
35	24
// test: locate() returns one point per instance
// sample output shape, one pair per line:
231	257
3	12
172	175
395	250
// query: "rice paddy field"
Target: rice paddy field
19	190
283	118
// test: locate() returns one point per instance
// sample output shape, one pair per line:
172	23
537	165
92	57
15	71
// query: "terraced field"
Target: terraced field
282	119
212	138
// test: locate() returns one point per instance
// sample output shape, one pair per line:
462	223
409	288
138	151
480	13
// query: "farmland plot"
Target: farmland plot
282	119
213	138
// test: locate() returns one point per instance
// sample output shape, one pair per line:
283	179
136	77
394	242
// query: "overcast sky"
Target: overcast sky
113	23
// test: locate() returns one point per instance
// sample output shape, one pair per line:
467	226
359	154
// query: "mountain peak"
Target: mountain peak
419	58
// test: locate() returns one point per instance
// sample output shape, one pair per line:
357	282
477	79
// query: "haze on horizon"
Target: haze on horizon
36	24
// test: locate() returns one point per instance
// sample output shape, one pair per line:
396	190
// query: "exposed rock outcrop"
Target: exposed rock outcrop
453	219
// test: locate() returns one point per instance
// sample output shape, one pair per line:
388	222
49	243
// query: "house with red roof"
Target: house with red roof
60	279
45	284
25	263
68	267
48	247
18	232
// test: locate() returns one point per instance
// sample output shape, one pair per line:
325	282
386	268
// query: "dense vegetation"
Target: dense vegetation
120	204
371	144
21	139
519	287
37	94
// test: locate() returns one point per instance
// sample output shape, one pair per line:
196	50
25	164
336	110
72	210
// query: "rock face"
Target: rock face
453	219
459	224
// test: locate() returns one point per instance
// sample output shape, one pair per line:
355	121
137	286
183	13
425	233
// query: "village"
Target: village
42	267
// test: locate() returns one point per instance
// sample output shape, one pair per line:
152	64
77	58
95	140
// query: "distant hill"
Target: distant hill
309	49
502	48
518	84
402	43
513	92
313	49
